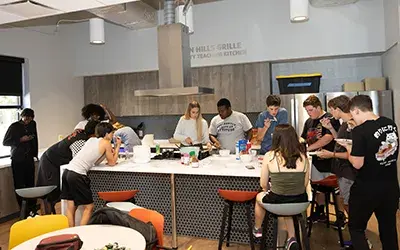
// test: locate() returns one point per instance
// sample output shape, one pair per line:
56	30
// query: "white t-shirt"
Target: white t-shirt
86	157
187	128
81	125
231	129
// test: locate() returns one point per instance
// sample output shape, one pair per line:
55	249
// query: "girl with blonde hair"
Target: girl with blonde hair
192	129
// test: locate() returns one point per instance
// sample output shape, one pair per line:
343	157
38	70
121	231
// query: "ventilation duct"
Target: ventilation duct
330	3
173	59
132	15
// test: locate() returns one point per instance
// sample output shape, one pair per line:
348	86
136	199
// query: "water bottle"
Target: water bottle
237	150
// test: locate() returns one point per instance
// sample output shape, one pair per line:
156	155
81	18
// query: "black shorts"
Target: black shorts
76	187
273	198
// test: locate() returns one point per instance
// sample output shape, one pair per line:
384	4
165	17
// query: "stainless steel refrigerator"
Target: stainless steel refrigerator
381	100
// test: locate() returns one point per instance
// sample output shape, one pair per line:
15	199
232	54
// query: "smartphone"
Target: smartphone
250	167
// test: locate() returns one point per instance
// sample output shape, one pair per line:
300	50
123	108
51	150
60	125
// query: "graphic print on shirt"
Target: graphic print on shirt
388	147
314	134
226	127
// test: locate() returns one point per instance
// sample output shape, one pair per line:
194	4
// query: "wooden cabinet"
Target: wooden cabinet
245	85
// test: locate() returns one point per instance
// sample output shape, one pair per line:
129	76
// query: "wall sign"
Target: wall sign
218	50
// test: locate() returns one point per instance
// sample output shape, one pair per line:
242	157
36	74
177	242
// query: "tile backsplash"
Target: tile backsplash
335	71
163	127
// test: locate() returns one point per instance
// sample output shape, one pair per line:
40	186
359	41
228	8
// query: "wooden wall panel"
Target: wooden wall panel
245	85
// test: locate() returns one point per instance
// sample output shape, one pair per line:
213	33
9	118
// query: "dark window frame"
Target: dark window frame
20	95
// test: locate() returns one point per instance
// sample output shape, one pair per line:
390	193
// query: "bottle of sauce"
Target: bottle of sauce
194	162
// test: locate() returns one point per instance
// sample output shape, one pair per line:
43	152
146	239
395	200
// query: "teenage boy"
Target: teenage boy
339	107
318	137
22	137
268	120
229	126
374	152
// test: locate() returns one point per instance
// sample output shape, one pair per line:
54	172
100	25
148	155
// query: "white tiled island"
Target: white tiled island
193	190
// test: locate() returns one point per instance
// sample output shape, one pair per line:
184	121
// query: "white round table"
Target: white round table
95	237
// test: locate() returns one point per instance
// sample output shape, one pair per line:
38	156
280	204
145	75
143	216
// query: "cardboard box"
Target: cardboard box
375	83
353	86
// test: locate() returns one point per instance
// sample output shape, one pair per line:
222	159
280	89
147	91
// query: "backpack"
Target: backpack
112	216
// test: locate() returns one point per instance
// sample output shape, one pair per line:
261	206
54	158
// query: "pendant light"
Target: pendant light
299	10
96	31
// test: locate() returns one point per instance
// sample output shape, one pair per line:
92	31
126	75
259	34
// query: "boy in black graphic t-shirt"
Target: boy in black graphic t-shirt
317	138
374	153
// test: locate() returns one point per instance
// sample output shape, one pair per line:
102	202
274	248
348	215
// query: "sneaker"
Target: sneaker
292	244
257	232
349	244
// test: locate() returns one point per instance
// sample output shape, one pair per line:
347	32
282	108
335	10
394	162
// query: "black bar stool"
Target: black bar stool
232	197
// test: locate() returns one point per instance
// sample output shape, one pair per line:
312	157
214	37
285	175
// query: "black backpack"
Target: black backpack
112	216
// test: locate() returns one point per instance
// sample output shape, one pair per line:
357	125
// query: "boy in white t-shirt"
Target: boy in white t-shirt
229	126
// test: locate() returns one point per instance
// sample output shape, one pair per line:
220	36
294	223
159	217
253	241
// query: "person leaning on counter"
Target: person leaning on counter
268	120
91	112
128	136
229	126
192	129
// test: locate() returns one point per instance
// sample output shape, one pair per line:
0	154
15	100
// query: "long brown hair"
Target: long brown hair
286	142
199	120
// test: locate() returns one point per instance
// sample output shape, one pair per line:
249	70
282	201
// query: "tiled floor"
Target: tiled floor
321	239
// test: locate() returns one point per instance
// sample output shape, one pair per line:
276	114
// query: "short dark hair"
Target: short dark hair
342	102
90	128
313	101
362	102
28	113
103	128
224	102
273	100
93	109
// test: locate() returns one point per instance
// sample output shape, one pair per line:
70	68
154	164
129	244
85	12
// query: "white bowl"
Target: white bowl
224	152
246	158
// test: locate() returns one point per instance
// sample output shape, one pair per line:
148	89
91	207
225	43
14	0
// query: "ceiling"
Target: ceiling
29	14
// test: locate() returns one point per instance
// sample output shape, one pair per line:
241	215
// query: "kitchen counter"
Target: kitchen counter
196	200
212	165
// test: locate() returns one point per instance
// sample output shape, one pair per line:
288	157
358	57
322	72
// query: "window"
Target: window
9	113
10	96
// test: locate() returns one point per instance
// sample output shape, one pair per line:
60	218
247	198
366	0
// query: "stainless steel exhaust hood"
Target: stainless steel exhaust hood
174	65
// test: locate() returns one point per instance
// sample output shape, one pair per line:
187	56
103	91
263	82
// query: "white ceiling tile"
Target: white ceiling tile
8	1
71	5
29	10
111	2
9	18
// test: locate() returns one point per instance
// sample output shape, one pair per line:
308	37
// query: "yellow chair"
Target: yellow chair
27	229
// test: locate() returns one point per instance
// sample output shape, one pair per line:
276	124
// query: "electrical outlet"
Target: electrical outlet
60	137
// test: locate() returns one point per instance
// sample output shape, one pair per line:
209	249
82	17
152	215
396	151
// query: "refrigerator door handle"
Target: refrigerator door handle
293	107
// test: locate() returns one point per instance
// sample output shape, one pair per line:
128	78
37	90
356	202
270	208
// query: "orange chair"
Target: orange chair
327	186
232	197
155	218
121	200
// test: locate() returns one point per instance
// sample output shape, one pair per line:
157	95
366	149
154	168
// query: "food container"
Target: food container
246	158
141	154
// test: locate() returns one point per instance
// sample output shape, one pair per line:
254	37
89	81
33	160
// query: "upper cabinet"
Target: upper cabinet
245	85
